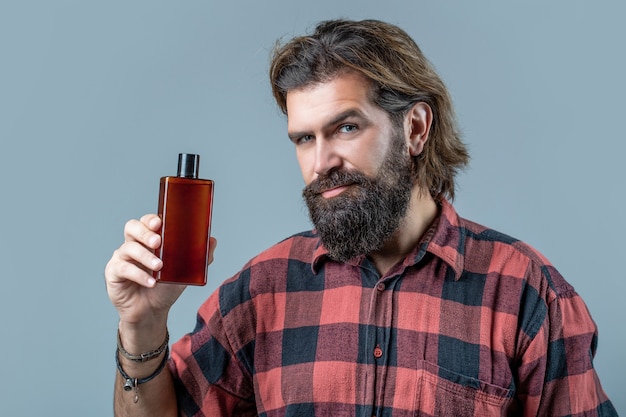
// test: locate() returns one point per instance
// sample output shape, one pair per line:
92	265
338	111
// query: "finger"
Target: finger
152	221
139	231
212	246
136	253
118	271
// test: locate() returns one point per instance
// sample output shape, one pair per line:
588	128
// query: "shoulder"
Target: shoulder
496	251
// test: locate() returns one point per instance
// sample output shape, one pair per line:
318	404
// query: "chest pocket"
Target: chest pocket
445	393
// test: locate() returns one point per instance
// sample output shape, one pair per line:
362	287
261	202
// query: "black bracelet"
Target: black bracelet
130	383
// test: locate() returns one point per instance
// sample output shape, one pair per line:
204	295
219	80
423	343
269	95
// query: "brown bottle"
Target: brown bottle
185	205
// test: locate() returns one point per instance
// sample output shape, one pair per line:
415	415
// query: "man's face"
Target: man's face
354	162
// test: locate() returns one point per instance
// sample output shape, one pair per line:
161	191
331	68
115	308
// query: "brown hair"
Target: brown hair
400	74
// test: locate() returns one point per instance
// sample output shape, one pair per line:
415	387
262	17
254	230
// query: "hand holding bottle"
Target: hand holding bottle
129	273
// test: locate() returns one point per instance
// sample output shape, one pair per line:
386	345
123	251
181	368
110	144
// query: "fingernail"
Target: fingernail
151	282
153	240
155	262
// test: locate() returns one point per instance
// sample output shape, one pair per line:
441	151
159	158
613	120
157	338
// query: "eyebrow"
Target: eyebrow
353	112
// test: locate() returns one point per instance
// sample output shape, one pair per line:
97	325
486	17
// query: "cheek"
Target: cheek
306	166
369	162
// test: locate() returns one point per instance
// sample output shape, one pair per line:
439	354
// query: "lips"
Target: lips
335	191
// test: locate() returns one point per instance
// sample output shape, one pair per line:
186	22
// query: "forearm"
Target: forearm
155	397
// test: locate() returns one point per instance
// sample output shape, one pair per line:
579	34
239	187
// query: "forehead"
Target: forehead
324	100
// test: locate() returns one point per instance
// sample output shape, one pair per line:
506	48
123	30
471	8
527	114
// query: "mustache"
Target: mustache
334	178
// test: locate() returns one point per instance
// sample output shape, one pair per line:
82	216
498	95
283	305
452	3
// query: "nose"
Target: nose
326	156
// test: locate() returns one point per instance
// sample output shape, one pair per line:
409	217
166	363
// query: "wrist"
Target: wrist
144	337
143	356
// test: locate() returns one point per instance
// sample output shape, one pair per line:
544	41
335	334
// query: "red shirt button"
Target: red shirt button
378	352
380	287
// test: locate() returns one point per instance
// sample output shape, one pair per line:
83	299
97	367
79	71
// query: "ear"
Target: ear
417	124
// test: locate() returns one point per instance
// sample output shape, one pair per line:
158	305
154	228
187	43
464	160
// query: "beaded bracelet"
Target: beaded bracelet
142	357
130	383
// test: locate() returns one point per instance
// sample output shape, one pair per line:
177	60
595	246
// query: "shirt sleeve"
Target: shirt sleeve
208	377
556	376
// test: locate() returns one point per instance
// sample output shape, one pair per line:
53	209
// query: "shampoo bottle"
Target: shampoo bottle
185	206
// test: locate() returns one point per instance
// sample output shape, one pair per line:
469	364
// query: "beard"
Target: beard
363	217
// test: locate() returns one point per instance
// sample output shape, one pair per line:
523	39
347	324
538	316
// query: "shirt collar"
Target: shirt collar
319	254
444	239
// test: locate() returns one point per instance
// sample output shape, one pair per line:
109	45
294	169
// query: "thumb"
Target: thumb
212	246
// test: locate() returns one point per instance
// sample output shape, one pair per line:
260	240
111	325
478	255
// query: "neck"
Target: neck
420	215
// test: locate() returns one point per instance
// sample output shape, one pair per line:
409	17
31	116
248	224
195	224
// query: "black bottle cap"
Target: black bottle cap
188	164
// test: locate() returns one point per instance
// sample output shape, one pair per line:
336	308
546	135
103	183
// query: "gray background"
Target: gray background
98	98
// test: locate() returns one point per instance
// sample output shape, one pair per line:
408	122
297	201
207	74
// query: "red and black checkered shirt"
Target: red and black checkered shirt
471	323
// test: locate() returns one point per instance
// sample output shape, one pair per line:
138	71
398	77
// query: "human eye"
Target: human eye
301	140
348	128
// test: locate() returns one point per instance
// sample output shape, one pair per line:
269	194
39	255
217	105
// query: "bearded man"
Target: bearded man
393	305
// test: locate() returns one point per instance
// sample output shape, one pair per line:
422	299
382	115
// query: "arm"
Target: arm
143	307
556	376
571	384
153	398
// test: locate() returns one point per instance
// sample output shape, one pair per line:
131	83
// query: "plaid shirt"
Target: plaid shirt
471	323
